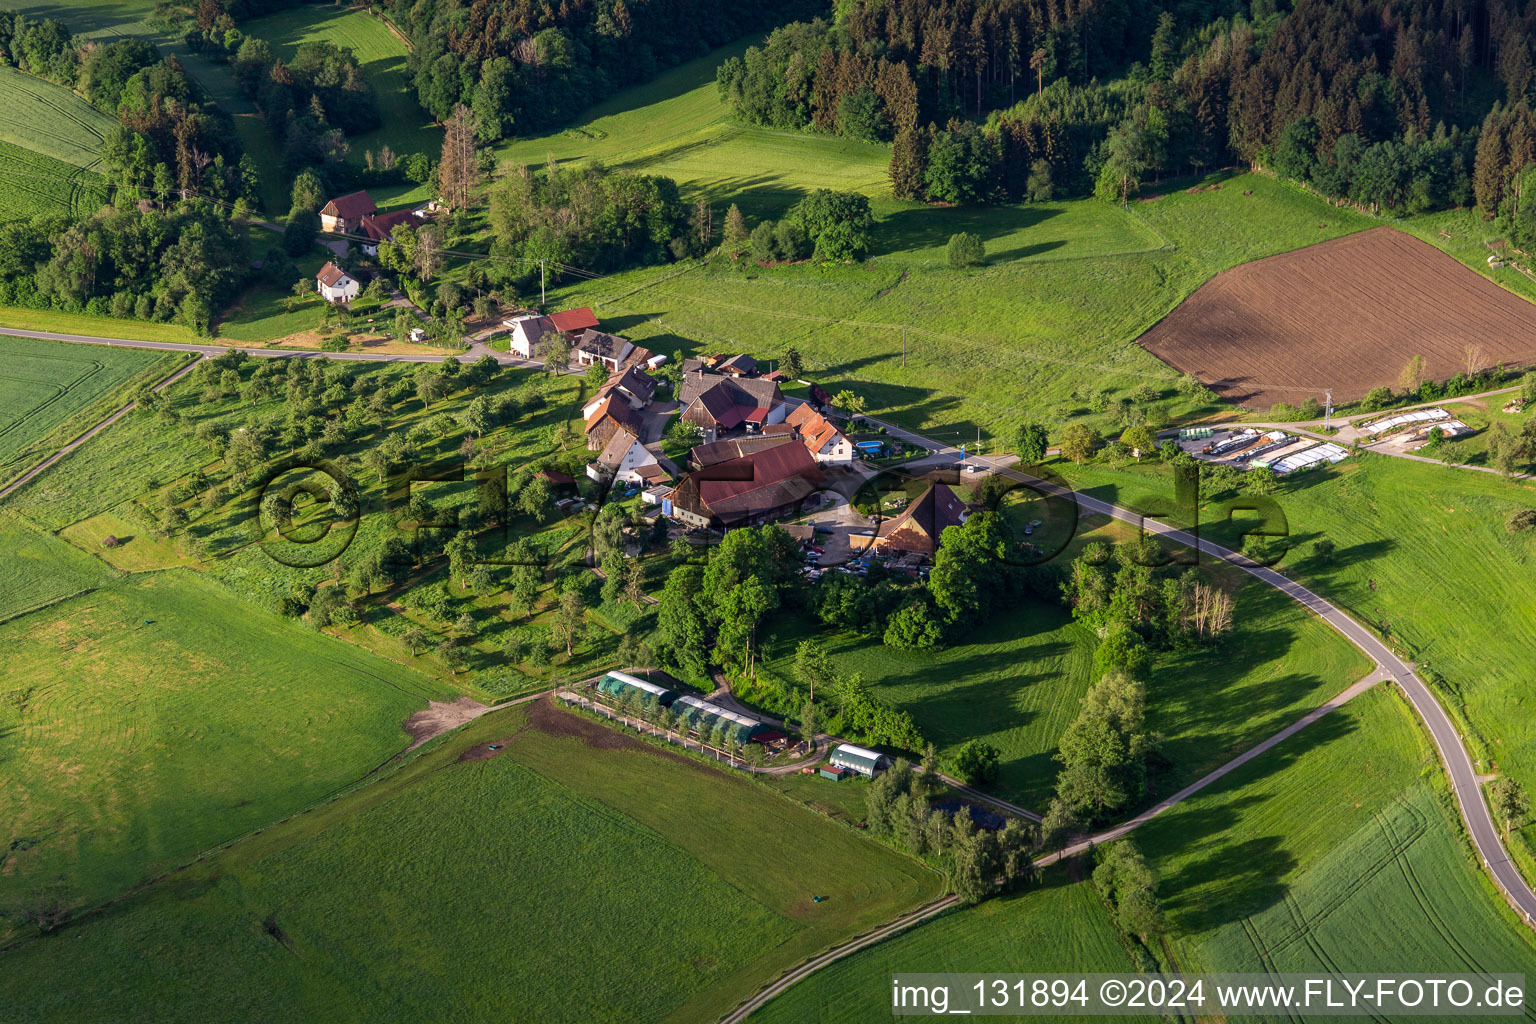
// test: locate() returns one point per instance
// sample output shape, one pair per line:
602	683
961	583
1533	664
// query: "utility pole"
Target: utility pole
541	284
1328	412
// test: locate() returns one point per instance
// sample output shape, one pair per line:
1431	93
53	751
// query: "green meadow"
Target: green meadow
50	391
1049	318
534	866
151	718
406	127
1059	926
1016	683
41	569
1338	850
1421	555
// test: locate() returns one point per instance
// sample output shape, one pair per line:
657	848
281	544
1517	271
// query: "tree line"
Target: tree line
1385	105
525	66
180	264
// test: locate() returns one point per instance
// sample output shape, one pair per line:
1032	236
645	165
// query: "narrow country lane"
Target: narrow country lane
1453	755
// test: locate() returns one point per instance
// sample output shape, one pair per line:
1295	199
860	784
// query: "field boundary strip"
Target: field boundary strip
44	605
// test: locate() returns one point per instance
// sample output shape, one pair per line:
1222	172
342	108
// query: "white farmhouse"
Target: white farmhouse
335	284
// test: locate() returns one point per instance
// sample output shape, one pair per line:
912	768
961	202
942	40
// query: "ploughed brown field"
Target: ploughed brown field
1345	314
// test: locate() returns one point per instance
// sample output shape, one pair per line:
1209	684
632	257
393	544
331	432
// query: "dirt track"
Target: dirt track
1345	314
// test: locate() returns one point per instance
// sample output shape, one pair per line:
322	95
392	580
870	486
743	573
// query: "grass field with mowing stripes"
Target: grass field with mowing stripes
1060	926
567	876
40	568
49	389
152	718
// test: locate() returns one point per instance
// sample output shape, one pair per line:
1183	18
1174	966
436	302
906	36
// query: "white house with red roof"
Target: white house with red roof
529	331
335	284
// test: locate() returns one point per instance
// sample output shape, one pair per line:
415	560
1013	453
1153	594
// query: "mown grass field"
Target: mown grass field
40	568
569	876
677	126
150	719
1423	557
49	119
1336	851
1018	681
83	324
1060	926
406	127
49	389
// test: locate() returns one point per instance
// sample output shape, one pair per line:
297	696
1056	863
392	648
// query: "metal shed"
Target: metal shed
617	684
701	716
866	762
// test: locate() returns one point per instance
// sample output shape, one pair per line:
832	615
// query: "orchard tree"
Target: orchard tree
1139	440
1030	441
976	763
1508	802
1079	442
965	250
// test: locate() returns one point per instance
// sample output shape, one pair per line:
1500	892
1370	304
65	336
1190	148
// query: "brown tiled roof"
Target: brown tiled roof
753	484
743	365
578	319
729	400
922	523
814	428
379	227
617	447
618	411
733	448
350	206
330	274
635	381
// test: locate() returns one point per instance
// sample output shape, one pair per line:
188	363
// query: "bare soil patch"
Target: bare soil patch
1345	314
547	718
440	717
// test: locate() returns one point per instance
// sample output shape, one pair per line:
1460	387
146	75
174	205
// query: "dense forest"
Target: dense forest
1402	104
527	66
178	264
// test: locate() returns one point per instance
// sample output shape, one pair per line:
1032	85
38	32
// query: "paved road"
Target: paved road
1453	755
473	352
1458	764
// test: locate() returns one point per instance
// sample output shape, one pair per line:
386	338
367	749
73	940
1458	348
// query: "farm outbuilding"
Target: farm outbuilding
701	716
620	684
866	762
